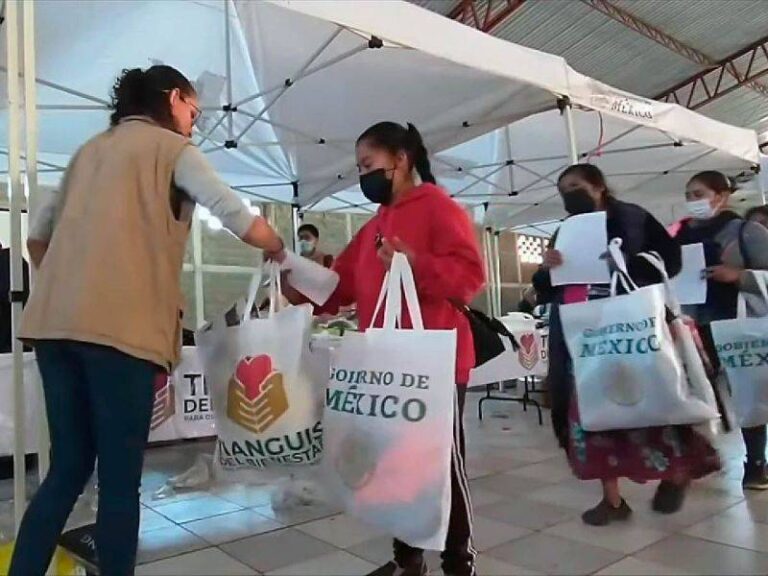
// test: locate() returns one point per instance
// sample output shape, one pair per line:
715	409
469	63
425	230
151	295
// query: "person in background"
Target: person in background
6	322
309	236
758	214
675	455
528	303
417	218
732	246
105	312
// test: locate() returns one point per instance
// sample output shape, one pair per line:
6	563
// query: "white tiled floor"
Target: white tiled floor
527	507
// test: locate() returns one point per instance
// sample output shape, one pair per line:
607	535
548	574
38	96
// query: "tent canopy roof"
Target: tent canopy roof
308	77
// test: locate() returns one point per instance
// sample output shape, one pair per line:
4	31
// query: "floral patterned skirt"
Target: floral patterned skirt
666	453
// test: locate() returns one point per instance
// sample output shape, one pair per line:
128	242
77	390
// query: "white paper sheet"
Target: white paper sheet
582	240
309	278
690	284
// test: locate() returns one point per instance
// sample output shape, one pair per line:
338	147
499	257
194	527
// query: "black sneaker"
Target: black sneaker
605	513
755	477
669	498
417	568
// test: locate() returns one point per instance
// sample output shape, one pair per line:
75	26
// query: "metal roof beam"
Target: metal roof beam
485	15
750	63
735	76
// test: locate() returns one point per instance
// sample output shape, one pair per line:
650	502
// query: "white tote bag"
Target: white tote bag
742	345
389	420
629	370
268	408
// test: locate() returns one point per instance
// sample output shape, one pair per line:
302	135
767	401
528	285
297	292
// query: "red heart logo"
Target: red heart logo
252	372
528	341
161	381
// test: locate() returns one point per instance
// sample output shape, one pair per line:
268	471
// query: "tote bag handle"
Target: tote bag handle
398	281
761	279
275	289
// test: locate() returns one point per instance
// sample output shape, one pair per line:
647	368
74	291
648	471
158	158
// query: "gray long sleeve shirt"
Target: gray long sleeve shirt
193	174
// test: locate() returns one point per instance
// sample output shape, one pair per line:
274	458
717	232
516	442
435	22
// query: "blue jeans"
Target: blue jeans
99	405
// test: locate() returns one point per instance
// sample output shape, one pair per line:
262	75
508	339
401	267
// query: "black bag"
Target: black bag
488	335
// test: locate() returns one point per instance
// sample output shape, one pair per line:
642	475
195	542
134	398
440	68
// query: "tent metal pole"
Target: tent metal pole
197	269
305	72
312	58
296	216
573	147
488	272
61	88
71	107
497	269
228	51
510	162
348	218
16	193
30	125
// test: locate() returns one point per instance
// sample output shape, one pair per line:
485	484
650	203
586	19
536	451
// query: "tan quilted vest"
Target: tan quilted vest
111	275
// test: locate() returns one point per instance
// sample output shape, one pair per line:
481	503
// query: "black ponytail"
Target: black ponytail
394	138
140	92
420	156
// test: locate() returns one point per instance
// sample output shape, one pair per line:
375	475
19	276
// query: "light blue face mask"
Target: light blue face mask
306	247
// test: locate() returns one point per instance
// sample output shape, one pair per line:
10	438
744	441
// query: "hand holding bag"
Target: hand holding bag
629	371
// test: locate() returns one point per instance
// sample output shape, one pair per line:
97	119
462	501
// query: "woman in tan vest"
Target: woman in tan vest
105	312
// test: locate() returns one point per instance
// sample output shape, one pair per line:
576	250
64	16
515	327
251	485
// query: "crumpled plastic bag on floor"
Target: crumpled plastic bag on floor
197	476
292	492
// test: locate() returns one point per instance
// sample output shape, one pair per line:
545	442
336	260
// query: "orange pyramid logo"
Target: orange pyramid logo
256	397
165	401
529	351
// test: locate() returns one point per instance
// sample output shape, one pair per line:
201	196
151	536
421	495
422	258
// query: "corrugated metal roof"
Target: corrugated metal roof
603	48
718	28
596	46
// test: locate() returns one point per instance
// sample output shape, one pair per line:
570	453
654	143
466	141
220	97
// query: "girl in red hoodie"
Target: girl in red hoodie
418	218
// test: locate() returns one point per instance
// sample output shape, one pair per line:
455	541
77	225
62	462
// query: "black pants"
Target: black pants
755	441
754	438
459	555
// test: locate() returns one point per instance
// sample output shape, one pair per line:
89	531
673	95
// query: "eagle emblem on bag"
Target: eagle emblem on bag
256	397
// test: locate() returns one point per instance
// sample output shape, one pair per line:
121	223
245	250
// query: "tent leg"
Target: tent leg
296	218
30	120
17	278
573	147
497	270
489	273
197	269
349	227
228	70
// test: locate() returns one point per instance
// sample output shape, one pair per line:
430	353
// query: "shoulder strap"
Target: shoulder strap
743	246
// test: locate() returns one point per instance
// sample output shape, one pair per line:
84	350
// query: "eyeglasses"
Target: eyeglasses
197	112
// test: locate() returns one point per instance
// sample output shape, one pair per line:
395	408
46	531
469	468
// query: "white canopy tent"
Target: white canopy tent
288	86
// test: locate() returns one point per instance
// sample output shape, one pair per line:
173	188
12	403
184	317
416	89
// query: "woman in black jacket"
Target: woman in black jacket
674	454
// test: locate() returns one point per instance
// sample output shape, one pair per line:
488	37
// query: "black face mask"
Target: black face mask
578	201
377	187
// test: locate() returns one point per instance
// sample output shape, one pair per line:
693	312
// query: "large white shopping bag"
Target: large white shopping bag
742	345
267	404
389	420
630	371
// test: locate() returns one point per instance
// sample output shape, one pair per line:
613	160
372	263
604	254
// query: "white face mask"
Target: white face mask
701	209
306	247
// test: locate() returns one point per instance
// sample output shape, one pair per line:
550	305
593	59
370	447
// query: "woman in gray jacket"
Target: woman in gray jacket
732	247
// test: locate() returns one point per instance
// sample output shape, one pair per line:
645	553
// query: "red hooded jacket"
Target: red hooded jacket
445	258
